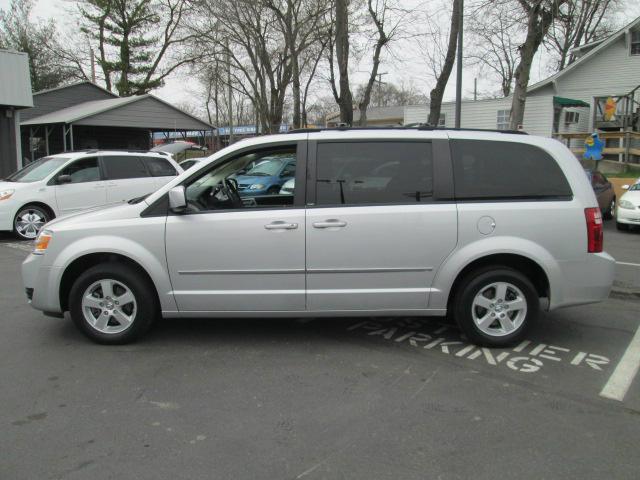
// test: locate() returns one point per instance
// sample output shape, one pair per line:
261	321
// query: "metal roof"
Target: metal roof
71	85
105	113
15	83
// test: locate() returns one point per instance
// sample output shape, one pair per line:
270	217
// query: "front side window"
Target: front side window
159	167
38	170
250	180
123	167
365	173
635	43
503	119
485	170
84	170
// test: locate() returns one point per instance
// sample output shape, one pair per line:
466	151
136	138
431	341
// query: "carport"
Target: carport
113	123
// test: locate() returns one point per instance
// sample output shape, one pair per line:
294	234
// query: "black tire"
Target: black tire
622	226
473	284
610	212
29	221
146	302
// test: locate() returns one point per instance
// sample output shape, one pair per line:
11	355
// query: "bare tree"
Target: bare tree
442	61
495	34
339	43
540	15
580	22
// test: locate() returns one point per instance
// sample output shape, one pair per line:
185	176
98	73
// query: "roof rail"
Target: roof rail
128	150
412	126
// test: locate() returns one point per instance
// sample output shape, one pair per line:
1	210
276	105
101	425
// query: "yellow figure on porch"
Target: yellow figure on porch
610	110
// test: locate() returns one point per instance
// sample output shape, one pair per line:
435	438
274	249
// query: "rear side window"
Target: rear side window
361	173
121	167
505	170
159	167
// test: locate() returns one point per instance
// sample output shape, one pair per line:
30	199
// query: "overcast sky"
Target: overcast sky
403	64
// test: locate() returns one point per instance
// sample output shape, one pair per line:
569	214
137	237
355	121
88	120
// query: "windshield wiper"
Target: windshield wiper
133	201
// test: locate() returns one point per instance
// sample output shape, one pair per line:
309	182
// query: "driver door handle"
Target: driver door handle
279	225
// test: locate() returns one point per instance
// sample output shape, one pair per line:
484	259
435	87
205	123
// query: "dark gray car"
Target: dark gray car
605	193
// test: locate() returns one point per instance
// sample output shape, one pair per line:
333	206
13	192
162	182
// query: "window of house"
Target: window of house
442	120
365	173
503	119
571	117
505	170
635	43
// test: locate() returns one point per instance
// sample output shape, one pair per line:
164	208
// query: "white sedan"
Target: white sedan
628	211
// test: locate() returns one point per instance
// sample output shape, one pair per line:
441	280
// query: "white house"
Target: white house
572	100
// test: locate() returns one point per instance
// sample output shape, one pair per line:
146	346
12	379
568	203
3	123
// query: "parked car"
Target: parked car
605	193
487	227
179	149
628	212
267	175
288	187
65	183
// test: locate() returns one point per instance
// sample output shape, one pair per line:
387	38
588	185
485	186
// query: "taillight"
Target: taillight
594	229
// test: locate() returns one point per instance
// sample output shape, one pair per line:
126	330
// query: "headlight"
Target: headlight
42	242
256	186
5	194
626	204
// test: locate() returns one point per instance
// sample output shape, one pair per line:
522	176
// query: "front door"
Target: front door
85	190
375	233
229	252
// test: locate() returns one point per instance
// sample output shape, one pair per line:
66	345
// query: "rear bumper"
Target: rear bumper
586	281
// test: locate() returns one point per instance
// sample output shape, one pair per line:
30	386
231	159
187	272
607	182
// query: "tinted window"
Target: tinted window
160	167
373	172
84	170
495	170
119	167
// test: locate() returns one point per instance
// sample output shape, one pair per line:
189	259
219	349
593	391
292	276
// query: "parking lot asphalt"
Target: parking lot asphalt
316	399
624	246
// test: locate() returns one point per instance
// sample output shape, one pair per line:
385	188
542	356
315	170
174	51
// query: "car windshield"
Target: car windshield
37	170
635	186
175	147
265	168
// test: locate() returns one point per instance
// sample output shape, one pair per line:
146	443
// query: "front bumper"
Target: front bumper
43	284
6	216
628	216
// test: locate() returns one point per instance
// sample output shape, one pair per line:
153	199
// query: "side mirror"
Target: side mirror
177	199
625	187
64	179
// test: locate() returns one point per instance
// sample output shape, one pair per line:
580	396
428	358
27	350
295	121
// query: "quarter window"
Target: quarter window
84	170
159	167
505	170
123	167
362	173
503	119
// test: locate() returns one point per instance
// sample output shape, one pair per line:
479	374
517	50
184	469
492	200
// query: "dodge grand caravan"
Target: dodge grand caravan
486	227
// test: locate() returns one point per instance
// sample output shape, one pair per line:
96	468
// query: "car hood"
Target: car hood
97	214
4	185
633	197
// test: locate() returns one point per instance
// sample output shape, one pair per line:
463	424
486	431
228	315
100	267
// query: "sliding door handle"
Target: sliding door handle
281	226
331	223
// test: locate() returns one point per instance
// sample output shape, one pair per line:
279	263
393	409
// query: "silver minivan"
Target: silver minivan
487	227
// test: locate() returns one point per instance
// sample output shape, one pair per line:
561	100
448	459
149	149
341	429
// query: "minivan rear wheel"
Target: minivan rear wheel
112	303
496	306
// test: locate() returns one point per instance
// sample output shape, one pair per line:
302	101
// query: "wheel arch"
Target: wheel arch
82	263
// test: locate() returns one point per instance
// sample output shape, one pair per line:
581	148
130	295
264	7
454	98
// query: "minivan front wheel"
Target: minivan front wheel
496	306
29	221
112	303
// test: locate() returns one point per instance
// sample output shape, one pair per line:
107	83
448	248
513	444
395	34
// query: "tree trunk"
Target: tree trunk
441	83
538	23
345	100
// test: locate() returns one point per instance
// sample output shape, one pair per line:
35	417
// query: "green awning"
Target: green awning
568	102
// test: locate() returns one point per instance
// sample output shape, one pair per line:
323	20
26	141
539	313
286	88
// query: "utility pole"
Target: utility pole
230	94
475	89
93	65
380	82
459	67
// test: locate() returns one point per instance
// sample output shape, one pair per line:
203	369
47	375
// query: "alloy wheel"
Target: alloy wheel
29	222
109	306
499	309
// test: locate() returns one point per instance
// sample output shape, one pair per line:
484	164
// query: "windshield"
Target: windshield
37	170
266	168
635	186
175	147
